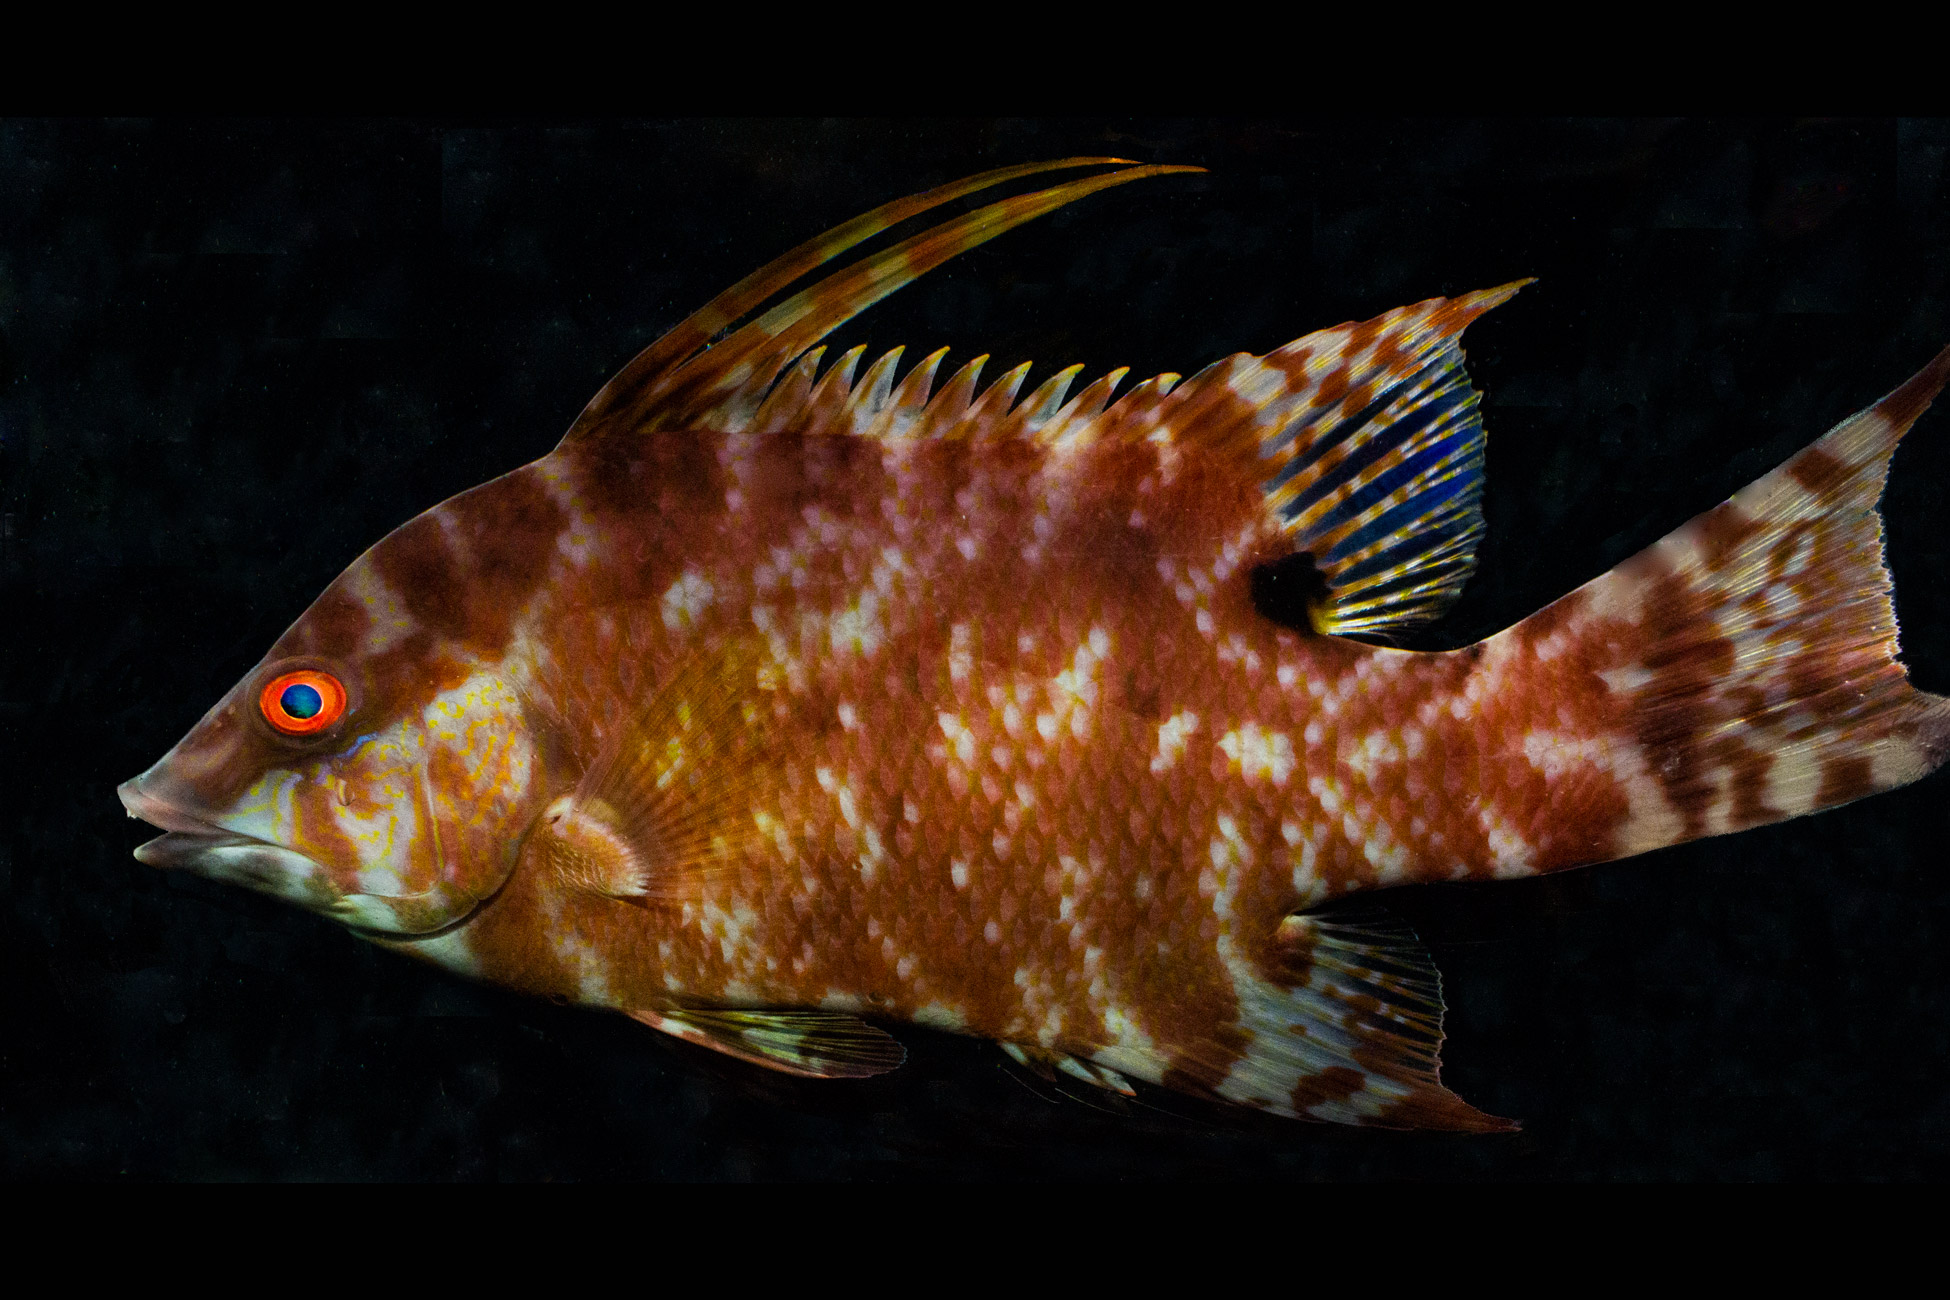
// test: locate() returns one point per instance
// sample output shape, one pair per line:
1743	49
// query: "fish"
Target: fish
785	700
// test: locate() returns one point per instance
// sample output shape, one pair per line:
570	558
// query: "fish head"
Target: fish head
370	768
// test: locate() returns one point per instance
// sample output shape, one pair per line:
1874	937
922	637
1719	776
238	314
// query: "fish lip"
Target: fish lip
161	814
188	836
179	848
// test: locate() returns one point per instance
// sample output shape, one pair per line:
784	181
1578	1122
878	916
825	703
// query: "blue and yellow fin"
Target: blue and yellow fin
1372	448
685	381
812	1044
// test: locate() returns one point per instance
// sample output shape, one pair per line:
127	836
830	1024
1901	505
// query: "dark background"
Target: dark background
234	355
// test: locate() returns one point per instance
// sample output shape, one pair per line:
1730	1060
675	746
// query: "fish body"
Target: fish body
778	700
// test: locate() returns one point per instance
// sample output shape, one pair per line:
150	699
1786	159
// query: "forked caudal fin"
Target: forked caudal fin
1751	654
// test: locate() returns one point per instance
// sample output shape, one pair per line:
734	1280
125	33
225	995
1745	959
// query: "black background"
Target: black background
234	355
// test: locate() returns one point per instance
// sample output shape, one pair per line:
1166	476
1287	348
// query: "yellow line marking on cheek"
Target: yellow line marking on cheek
433	824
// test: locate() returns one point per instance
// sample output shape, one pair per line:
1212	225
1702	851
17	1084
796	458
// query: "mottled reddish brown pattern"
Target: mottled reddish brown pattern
904	936
960	711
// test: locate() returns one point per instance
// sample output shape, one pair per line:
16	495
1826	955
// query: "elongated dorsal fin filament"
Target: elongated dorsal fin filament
680	382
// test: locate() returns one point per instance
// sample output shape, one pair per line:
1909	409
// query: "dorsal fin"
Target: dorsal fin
1367	433
1365	437
1372	448
680	381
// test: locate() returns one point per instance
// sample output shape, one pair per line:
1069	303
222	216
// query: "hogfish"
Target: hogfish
783	701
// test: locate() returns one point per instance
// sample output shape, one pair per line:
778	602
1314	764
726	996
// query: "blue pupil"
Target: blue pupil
301	701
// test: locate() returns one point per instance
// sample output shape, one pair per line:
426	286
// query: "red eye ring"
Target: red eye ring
293	691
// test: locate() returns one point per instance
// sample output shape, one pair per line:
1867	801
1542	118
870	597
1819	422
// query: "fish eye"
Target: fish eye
302	703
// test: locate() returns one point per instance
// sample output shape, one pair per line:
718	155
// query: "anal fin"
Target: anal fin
812	1044
1345	1026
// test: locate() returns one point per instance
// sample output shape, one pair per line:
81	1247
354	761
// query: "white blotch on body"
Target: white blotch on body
1172	735
686	601
1258	754
1511	855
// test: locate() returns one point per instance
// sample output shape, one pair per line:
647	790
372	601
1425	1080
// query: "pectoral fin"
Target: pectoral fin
667	803
814	1044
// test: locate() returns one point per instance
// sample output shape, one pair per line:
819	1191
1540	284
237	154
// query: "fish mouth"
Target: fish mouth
188	836
207	849
216	852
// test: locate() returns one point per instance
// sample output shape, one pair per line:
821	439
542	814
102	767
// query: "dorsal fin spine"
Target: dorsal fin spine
1134	415
807	316
672	385
869	396
829	396
790	395
905	406
1041	406
986	414
947	409
1079	416
684	340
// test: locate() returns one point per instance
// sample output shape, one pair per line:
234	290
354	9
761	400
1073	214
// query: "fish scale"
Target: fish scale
773	700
